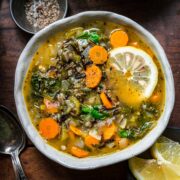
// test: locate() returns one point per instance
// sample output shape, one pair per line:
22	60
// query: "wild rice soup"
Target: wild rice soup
94	89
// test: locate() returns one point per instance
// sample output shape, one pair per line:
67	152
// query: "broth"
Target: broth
82	115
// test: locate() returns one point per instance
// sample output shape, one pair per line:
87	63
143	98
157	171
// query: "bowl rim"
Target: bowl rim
22	27
103	160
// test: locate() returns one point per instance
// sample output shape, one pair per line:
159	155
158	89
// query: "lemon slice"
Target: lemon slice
133	74
167	151
151	169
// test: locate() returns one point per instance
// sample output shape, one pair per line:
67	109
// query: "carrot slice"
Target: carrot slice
90	141
75	130
109	131
79	152
71	135
106	102
119	38
49	128
51	107
98	54
93	76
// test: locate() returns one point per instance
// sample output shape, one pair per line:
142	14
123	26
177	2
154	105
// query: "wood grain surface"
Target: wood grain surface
160	17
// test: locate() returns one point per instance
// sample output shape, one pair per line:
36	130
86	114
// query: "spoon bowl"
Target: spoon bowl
12	139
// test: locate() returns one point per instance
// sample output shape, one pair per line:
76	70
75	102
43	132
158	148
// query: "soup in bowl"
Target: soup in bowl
95	87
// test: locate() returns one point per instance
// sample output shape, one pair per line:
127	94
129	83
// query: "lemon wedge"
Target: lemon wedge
167	151
133	74
151	169
166	164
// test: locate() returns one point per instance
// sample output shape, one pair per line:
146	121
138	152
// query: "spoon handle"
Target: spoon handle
20	175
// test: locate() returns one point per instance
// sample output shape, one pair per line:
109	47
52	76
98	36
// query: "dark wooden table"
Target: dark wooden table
161	17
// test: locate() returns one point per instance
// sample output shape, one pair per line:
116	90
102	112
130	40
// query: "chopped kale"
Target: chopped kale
148	112
42	86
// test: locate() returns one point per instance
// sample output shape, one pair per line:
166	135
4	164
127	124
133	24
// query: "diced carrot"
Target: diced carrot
93	76
119	38
49	128
106	102
109	131
90	141
71	135
98	54
75	130
79	152
51	107
124	142
155	98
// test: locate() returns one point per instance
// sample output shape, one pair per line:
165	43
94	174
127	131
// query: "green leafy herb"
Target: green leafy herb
86	109
92	36
135	133
98	115
126	133
94	112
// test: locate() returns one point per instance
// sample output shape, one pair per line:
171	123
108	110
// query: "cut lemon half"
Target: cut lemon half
167	151
133	74
151	169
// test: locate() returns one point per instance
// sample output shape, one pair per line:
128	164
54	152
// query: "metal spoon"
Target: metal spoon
12	140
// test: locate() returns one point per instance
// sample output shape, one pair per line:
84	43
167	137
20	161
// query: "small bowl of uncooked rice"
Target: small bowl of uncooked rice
34	15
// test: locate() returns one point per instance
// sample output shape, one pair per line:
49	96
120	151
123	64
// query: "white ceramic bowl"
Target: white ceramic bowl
91	162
